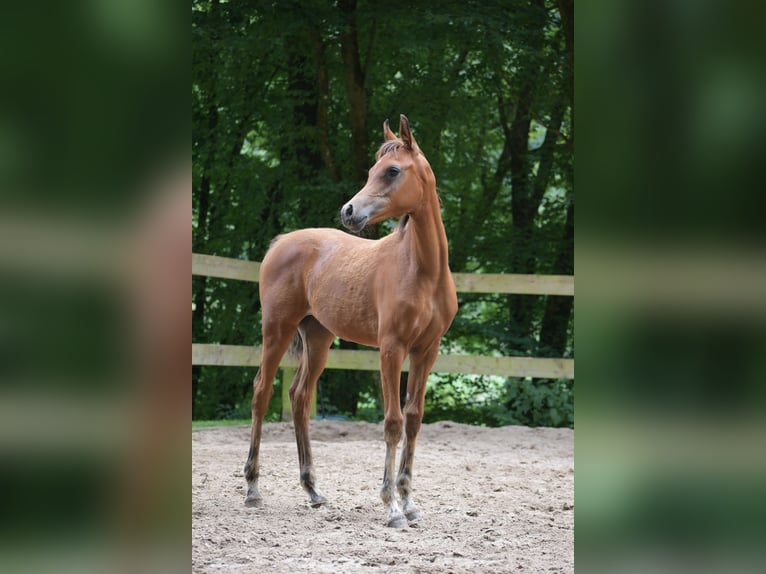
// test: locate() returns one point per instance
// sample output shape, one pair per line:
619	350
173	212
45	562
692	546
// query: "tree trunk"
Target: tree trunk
354	78
558	310
198	314
523	211
302	79
555	324
527	194
322	112
199	284
491	186
566	10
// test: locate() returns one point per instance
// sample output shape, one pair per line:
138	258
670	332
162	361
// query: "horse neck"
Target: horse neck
426	236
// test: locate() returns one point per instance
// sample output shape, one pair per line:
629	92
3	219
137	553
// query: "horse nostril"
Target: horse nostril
349	210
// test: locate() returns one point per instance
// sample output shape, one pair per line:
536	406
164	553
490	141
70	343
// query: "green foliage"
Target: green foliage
462	398
496	401
278	127
202	424
538	403
228	398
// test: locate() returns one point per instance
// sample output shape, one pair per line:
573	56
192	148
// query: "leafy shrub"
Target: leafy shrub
493	401
538	402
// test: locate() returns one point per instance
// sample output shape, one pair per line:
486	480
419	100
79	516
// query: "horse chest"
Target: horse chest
413	315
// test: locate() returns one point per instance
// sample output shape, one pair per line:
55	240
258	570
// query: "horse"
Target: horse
395	293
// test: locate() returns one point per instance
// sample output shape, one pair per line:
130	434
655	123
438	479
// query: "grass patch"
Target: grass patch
219	423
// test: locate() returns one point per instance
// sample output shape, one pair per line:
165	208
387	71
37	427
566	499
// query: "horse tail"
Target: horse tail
296	347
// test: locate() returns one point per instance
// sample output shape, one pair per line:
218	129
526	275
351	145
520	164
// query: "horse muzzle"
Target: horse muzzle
351	219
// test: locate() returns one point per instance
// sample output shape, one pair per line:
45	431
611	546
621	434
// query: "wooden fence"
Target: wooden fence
249	356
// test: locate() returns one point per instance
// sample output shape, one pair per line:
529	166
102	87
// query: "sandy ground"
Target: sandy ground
494	500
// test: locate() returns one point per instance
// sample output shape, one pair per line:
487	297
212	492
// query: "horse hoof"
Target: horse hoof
398	521
318	501
254	501
414	515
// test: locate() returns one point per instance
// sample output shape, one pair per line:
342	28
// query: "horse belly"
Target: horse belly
354	327
346	309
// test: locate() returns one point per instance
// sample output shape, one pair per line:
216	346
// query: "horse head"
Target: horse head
396	184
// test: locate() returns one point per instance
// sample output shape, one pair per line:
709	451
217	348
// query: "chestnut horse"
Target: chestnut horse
395	293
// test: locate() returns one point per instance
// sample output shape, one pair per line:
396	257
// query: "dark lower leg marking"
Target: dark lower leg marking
307	482
404	485
251	470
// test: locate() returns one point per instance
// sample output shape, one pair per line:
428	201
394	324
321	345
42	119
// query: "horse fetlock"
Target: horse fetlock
307	477
251	472
387	493
307	480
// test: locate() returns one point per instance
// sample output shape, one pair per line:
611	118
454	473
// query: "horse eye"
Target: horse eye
392	172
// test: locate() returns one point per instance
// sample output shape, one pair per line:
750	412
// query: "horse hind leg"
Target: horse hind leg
316	341
276	339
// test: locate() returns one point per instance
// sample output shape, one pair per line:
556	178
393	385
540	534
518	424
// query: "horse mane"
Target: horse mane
391	146
403	223
273	241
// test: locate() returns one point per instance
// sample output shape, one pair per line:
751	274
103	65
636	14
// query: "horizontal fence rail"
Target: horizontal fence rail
246	356
249	356
226	268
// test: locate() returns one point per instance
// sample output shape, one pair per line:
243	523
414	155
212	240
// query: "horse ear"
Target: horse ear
406	134
388	135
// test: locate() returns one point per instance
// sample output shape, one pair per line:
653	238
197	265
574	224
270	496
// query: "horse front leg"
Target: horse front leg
420	366
391	359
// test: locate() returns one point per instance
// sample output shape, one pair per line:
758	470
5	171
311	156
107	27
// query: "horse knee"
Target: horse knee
413	420
262	387
261	396
392	429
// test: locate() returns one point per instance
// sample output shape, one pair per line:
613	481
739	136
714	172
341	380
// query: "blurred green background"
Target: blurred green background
94	127
671	320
